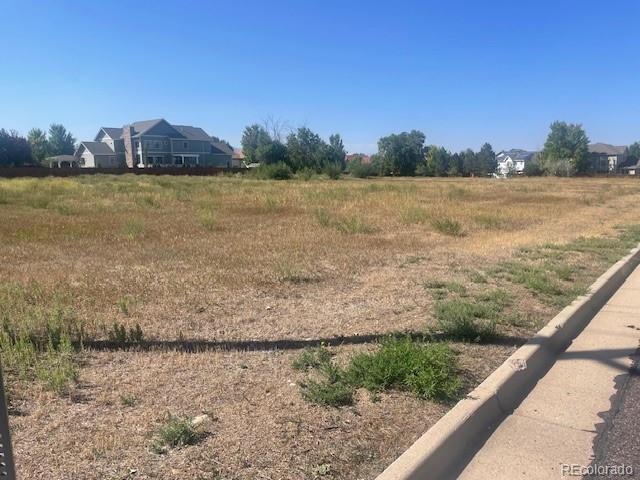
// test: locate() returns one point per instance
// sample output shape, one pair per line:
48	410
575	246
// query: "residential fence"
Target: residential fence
38	172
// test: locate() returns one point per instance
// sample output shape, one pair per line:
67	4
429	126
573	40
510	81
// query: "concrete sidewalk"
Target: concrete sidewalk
559	421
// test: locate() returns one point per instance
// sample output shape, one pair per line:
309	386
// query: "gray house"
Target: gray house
153	143
607	158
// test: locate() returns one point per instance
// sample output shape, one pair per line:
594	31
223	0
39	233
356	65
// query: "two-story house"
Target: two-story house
513	161
153	143
607	158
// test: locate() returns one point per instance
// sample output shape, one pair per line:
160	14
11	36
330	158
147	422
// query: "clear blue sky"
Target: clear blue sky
463	72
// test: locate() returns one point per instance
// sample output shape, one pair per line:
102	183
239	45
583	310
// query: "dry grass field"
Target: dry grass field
132	303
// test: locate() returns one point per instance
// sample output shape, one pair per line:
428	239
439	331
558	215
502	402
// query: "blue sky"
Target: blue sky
463	72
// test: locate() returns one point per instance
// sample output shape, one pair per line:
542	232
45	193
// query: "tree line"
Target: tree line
398	154
17	151
565	153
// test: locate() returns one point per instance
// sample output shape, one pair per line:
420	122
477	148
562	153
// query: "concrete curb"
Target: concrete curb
444	450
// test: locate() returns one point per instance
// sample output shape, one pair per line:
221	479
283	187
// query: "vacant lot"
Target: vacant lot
132	304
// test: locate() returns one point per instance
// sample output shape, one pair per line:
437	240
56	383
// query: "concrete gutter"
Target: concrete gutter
445	449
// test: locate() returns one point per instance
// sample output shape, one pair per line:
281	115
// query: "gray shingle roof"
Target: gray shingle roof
518	154
223	147
113	132
144	125
98	148
607	149
192	133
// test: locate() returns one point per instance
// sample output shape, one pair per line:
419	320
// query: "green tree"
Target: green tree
306	150
336	153
456	165
532	168
436	162
39	144
15	150
403	151
471	165
270	153
380	165
60	141
487	159
566	149
254	137
634	150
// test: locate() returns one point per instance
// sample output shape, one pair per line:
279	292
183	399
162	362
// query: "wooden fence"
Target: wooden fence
16	172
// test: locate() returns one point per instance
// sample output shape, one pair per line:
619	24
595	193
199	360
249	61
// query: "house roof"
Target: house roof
363	158
238	154
223	147
113	132
98	148
607	149
144	125
517	154
192	133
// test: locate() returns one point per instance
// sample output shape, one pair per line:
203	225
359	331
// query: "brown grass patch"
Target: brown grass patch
217	259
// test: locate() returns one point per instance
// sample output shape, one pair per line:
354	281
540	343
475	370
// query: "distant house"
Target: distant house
62	161
238	158
153	143
607	158
632	169
365	159
513	161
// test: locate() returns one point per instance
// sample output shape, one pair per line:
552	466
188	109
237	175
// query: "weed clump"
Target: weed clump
176	432
447	226
121	336
427	370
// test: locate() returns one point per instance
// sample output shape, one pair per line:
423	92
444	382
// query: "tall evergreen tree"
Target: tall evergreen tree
39	144
60	141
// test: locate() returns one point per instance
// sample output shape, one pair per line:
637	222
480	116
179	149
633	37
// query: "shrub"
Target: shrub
119	334
333	170
466	320
358	169
275	171
177	432
56	368
306	174
428	371
312	358
327	393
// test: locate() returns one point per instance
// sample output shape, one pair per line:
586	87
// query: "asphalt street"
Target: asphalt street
619	443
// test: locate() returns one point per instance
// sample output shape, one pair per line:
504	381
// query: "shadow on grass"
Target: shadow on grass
195	346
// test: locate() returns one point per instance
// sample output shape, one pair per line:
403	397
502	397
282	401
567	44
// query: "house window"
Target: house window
157	145
177	159
185	145
149	160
